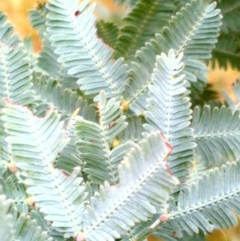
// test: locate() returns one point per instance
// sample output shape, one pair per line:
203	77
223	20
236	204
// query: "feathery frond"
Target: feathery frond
169	110
16	191
7	34
134	129
21	228
14	65
145	20
7	219
47	59
38	18
47	63
35	143
187	33
66	101
73	34
108	32
217	134
27	230
15	74
212	202
97	148
94	141
145	182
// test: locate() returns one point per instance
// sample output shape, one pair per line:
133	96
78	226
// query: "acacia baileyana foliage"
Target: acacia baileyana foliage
101	135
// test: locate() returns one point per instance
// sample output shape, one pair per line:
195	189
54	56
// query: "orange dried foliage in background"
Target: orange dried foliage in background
17	11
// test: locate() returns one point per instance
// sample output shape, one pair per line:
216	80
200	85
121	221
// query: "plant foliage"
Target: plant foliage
101	134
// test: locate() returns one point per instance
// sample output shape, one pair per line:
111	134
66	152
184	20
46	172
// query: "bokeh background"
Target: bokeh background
17	11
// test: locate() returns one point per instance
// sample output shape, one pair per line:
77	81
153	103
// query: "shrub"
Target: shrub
108	134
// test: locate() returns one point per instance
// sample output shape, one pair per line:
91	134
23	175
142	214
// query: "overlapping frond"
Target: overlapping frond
217	134
65	101
95	141
169	110
144	187
145	20
108	32
7	34
70	156
47	63
15	74
193	31
16	191
14	227
35	143
7	219
38	18
212	202
133	130
47	60
72	31
27	230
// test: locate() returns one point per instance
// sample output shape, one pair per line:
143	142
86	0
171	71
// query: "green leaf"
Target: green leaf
15	74
145	20
169	111
95	140
144	186
66	101
7	34
47	61
38	18
15	190
6	219
27	230
108	32
37	216
35	143
216	132
73	33
18	227
187	33
134	129
211	202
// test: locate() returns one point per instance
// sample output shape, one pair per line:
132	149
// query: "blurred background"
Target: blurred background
17	11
